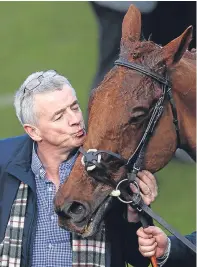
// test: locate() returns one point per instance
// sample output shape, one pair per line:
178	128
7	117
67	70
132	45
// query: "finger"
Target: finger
133	188
144	188
147	184
153	230
147	176
142	234
147	254
148	199
147	249
152	184
146	242
148	232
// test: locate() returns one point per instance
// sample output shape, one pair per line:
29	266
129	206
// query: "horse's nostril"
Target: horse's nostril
61	213
74	211
76	208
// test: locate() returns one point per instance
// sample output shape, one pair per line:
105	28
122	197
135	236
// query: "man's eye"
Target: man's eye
58	118
76	107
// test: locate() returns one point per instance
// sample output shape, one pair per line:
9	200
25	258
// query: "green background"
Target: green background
63	36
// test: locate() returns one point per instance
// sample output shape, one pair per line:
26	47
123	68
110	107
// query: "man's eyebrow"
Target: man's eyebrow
74	103
63	109
58	112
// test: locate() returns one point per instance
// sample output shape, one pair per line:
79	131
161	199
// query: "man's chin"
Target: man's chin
82	137
79	140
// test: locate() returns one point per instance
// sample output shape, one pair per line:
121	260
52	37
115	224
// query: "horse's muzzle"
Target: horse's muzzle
75	212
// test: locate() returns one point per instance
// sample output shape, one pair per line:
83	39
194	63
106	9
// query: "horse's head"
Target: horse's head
119	112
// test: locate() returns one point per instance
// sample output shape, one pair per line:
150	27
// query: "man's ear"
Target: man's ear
33	132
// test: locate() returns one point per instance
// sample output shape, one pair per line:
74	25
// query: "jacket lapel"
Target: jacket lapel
20	166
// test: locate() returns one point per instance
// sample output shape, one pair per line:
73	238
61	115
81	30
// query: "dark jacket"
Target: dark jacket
181	255
15	166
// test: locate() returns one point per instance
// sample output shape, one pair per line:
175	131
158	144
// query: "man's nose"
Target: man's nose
74	118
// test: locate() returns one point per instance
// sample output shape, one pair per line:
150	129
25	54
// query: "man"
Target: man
33	166
169	251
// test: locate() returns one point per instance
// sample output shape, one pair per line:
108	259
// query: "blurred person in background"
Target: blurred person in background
169	251
109	16
163	20
34	165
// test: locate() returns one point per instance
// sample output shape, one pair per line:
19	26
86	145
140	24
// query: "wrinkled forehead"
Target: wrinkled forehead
50	101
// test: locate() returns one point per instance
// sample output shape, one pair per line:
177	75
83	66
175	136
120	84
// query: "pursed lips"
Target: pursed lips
79	133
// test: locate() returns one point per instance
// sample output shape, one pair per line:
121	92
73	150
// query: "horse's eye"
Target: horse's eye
137	119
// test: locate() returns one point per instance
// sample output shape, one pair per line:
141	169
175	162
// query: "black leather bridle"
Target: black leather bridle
134	163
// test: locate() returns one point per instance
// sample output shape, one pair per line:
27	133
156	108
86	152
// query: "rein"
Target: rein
92	158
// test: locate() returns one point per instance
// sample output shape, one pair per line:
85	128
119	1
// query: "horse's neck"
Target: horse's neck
184	87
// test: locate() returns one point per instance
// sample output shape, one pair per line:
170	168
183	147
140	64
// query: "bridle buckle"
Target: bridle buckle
90	159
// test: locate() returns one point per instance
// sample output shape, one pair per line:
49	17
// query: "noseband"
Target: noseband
92	158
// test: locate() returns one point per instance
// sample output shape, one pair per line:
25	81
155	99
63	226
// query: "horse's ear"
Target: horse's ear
131	26
173	51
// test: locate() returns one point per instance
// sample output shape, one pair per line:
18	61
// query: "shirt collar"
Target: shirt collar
38	168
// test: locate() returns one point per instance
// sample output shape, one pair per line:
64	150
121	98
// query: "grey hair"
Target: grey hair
41	82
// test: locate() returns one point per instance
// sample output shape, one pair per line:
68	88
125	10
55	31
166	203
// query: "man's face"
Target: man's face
60	120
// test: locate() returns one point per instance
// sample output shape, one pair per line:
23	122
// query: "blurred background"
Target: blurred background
81	41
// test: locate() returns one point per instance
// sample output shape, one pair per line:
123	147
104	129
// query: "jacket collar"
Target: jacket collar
20	164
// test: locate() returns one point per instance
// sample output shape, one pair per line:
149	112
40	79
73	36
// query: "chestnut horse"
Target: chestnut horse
120	110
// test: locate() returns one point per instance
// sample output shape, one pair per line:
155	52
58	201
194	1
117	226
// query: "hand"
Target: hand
149	191
148	186
152	241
